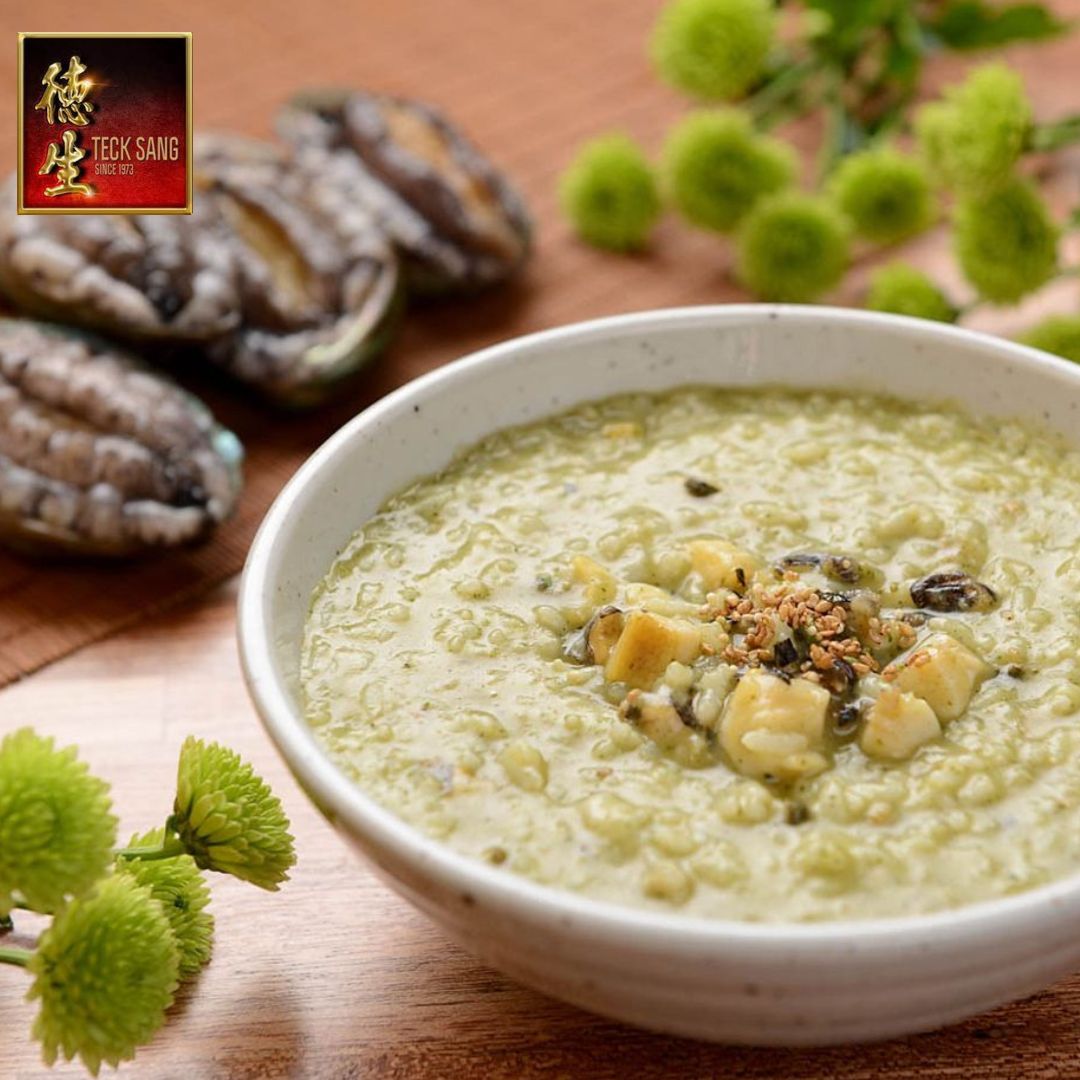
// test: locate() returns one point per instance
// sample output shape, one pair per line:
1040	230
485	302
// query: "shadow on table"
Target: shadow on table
261	1037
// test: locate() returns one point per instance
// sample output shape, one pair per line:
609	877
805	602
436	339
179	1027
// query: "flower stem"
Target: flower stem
17	957
1055	135
768	105
843	134
169	848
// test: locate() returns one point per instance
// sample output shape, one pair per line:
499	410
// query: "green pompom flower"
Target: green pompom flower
178	886
610	194
932	124
793	247
902	290
716	167
104	971
1058	334
713	49
228	819
1006	242
56	829
887	195
975	136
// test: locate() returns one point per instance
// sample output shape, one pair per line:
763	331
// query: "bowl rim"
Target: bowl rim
346	804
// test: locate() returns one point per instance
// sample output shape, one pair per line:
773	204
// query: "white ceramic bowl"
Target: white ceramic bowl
713	979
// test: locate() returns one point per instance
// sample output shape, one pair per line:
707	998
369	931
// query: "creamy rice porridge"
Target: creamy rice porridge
744	654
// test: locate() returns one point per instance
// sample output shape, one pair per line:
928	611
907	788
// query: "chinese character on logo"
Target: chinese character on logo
65	164
64	99
69	91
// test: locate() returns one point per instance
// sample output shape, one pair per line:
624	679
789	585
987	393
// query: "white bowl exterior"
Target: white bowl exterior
763	984
839	985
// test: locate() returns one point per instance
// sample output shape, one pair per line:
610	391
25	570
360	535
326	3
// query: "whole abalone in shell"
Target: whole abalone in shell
100	456
317	283
456	221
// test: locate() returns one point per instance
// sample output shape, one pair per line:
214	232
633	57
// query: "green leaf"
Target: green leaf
976	24
903	63
845	26
907	48
853	15
1055	134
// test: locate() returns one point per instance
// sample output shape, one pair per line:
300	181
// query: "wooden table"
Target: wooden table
335	977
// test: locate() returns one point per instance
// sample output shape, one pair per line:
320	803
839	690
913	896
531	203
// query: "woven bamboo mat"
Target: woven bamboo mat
528	81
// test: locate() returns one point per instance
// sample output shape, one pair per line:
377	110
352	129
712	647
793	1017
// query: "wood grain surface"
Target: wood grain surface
335	977
529	81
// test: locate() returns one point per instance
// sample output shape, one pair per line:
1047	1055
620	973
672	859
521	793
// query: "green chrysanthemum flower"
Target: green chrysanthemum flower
228	819
932	124
713	49
1006	242
1058	334
793	247
610	194
716	167
179	887
902	290
975	136
104	972
887	195
56	831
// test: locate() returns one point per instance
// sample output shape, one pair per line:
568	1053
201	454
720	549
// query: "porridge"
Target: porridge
761	655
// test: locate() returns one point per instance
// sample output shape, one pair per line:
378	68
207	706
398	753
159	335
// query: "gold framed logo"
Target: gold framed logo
105	123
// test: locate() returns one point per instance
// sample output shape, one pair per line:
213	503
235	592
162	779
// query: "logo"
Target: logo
104	123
